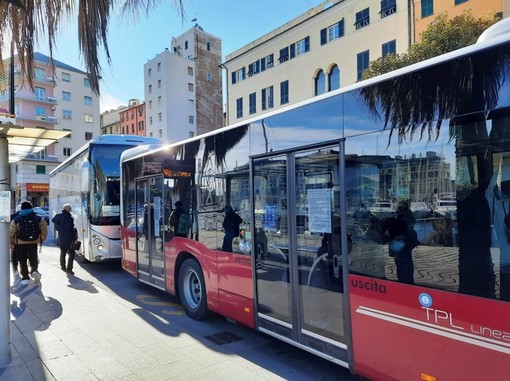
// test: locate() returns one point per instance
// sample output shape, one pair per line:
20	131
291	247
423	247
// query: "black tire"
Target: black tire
192	292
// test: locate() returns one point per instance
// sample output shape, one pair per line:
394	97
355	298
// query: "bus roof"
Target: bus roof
107	139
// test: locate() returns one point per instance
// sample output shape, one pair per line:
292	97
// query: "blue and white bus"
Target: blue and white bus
89	182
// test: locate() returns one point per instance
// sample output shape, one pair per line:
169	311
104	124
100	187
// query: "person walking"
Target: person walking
26	230
67	235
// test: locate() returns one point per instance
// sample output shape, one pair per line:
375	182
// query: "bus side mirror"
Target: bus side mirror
85	177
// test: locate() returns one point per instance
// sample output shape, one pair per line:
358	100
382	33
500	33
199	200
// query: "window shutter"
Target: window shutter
292	51
307	43
324	36
263	99
233	78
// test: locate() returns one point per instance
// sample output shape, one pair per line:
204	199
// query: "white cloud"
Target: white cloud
109	102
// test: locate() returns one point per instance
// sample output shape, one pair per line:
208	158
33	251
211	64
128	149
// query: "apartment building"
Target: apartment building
424	11
61	99
109	121
183	87
132	118
328	47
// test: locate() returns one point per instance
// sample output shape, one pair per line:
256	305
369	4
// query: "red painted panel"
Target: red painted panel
401	332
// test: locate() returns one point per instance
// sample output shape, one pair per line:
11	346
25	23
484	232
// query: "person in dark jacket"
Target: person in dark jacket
230	225
175	219
27	250
67	235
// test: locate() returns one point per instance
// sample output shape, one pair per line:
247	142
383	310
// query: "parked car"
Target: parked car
420	209
446	207
43	213
383	209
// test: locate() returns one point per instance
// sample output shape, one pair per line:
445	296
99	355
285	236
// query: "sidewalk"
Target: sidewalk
76	328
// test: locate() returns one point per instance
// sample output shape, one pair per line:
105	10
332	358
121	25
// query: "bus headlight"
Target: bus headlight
100	247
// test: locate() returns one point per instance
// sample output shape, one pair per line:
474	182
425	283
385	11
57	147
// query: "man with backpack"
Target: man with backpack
180	220
27	229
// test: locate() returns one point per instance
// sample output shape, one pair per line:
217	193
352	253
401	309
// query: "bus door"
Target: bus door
149	242
300	266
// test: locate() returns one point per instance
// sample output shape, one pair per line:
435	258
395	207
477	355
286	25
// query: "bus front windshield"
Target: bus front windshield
105	184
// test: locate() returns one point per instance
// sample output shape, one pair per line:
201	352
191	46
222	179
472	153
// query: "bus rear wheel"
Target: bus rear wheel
192	292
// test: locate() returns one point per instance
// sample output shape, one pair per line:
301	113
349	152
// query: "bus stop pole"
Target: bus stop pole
5	304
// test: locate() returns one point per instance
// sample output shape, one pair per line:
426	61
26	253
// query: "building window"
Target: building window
301	47
40	93
132	128
67	151
267	98
362	58
186	44
123	131
141	126
320	83
190	87
160	133
362	18
159	66
457	2
66	96
190	70
332	32
89	118
66	77
86	83
67	130
267	62
150	120
40	74
334	78
87	101
40	112
159	83
427	8
159	100
191	119
388	7
160	116
67	114
40	169
239	107
209	77
284	54
389	47
238	75
253	103
284	92
208	46
149	72
253	68
150	89
150	105
88	135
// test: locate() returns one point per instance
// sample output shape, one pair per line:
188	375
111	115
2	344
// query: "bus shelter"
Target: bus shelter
16	143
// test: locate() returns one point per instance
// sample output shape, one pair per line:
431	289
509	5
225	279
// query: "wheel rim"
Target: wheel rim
192	289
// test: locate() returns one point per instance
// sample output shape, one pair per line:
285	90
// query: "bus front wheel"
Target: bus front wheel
192	292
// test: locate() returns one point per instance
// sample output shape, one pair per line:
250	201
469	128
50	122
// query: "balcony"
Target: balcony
39	119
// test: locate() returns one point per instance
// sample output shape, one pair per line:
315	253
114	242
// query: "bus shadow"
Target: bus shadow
163	312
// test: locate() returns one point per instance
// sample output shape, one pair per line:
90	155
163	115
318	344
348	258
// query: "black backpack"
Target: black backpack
28	227
184	224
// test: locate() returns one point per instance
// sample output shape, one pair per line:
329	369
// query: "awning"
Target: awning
24	141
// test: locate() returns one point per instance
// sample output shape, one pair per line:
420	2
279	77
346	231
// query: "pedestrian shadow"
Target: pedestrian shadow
31	312
81	284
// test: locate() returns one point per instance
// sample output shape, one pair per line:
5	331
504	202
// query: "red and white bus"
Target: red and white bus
396	294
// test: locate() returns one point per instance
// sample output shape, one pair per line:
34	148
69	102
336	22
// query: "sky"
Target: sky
133	43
